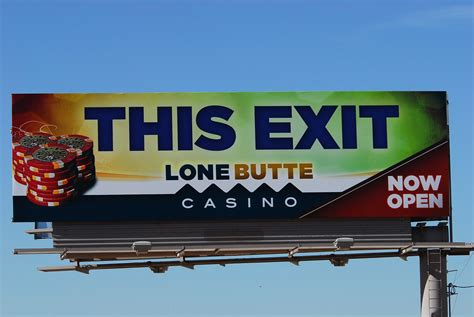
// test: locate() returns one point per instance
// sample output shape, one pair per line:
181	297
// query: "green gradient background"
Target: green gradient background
421	123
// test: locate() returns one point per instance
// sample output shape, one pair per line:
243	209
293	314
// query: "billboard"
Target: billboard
230	155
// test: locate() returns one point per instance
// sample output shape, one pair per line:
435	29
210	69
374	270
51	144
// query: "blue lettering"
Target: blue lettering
105	129
263	128
316	127
349	127
139	128
379	115
205	123
185	129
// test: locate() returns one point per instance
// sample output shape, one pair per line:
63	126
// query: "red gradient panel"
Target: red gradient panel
370	200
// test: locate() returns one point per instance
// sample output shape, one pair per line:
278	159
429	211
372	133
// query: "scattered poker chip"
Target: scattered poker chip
82	144
66	194
58	191
48	177
37	201
53	157
29	141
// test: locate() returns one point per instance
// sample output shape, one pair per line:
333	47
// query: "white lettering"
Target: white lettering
430	181
411	183
230	203
421	200
187	206
290	202
436	200
209	203
408	199
394	201
395	182
267	202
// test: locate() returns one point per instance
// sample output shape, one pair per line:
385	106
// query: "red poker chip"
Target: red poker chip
17	134
17	157
20	180
85	155
50	187
58	191
18	163
86	183
53	197
37	201
19	168
69	167
85	160
31	140
49	177
82	144
52	184
86	176
84	167
47	200
20	174
52	157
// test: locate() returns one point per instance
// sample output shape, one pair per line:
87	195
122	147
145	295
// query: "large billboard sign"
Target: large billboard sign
224	156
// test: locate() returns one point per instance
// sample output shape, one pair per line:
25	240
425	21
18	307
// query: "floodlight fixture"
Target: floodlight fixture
158	269
339	261
141	247
344	243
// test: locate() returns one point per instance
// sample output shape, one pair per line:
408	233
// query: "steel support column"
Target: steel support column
433	283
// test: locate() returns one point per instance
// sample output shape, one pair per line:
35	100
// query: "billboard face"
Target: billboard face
224	156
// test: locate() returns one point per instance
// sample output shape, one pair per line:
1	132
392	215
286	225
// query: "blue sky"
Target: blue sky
147	46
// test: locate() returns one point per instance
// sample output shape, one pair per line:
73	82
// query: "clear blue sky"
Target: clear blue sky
148	46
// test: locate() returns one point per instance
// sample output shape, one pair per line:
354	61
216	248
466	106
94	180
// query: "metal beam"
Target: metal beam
156	253
189	263
38	251
39	231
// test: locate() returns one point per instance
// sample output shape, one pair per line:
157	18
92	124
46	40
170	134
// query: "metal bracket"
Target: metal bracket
180	255
339	261
294	262
293	251
188	266
81	269
158	269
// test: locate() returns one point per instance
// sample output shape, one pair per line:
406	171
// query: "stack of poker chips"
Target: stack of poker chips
22	144
54	169
85	160
51	174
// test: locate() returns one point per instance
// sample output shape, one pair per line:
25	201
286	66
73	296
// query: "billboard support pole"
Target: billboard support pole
433	283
